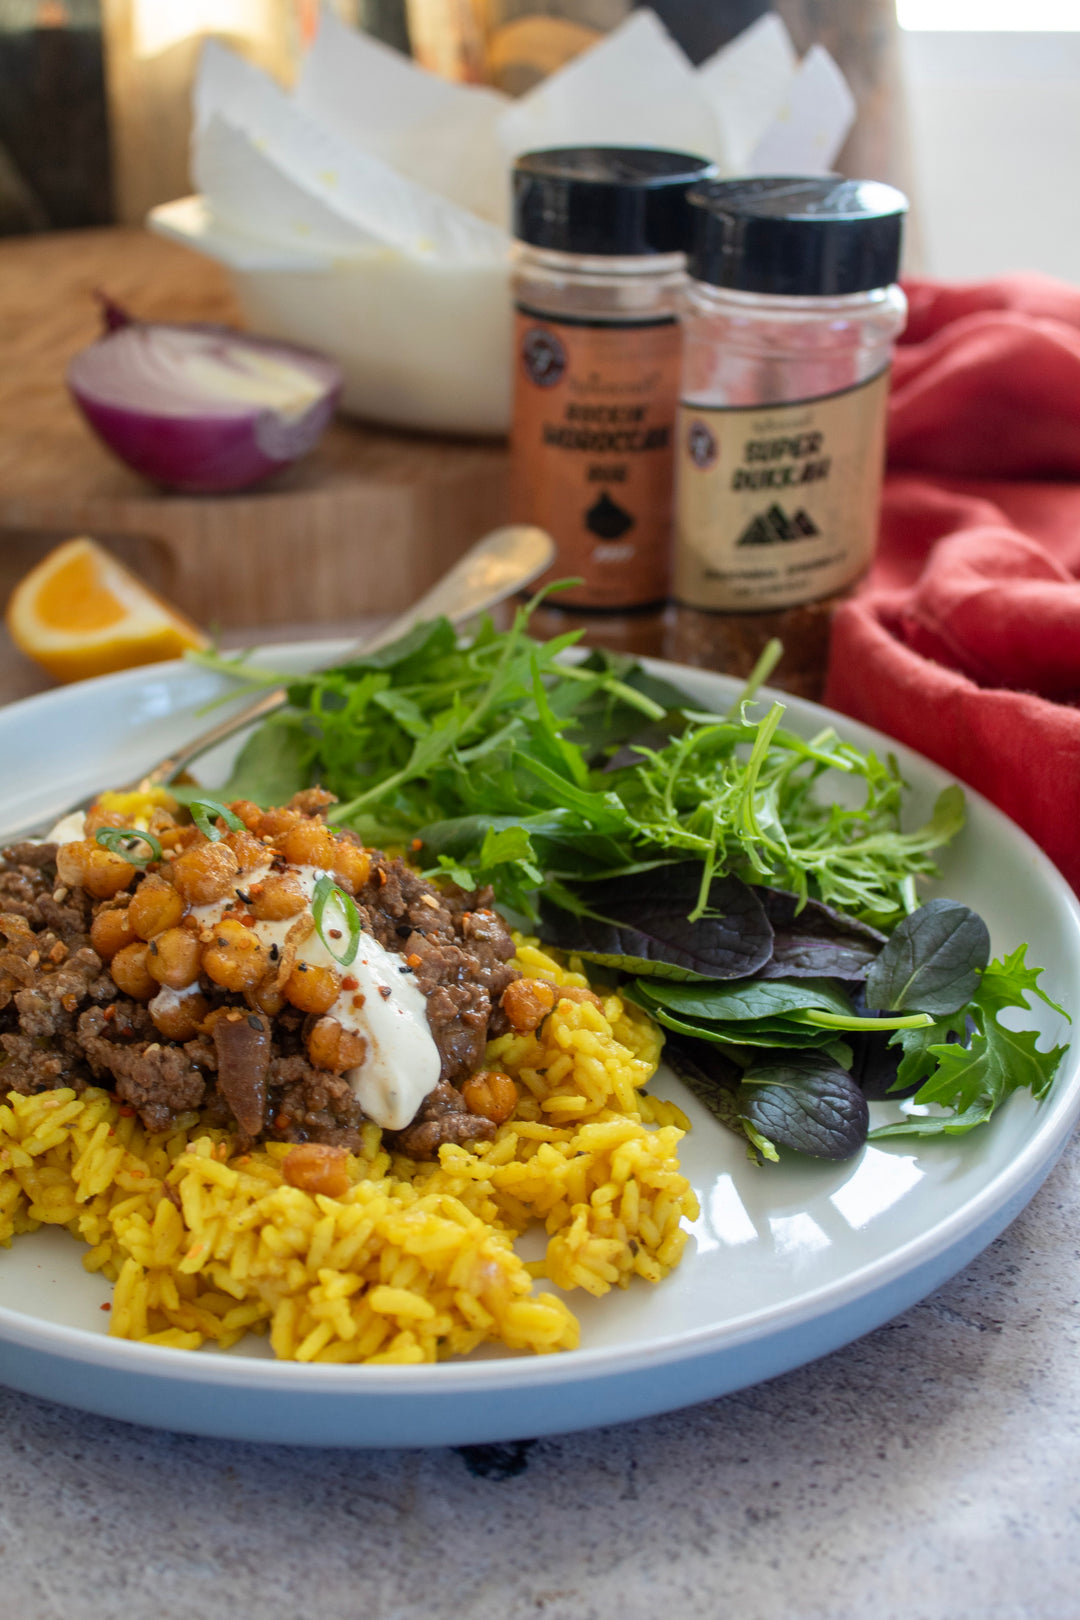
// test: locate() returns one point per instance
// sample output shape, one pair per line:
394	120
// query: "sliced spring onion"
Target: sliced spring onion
341	909
120	841
205	811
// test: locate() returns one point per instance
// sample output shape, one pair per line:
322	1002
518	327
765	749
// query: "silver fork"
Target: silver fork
502	563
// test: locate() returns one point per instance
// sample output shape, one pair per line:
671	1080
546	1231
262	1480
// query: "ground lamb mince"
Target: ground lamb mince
65	1022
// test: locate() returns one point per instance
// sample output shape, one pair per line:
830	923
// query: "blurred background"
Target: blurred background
972	104
969	106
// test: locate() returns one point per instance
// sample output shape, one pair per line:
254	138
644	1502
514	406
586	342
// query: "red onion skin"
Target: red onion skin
203	454
210	456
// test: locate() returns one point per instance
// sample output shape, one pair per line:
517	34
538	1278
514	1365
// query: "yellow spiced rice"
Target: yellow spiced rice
416	1262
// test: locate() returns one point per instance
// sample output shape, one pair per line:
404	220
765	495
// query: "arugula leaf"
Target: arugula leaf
932	962
973	1079
1007	983
917	1045
432	730
510	846
808	1103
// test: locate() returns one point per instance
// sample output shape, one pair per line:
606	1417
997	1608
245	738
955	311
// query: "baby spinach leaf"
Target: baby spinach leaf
273	764
422	645
815	941
808	1103
639	923
746	999
932	962
733	1037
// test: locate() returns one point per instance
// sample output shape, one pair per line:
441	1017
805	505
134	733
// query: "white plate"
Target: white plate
786	1262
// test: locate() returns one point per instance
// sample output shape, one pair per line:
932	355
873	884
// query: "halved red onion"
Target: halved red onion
202	408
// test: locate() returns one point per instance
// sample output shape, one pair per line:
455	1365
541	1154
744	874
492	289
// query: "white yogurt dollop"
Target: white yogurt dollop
383	1003
69	829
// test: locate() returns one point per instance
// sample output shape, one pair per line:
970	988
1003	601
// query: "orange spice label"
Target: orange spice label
778	504
593	451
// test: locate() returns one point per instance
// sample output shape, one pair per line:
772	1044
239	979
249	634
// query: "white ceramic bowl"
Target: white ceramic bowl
423	344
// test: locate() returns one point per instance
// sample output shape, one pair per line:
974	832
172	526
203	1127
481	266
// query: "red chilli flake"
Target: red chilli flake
349	983
417	843
105	1307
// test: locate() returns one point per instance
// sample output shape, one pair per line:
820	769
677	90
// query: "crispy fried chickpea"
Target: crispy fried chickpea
316	1168
234	958
310	844
131	972
577	992
110	931
331	1046
174	958
350	864
87	864
107	874
155	906
249	850
278	896
249	814
490	1093
273	823
176	838
527	1003
179	1020
96	817
205	872
312	989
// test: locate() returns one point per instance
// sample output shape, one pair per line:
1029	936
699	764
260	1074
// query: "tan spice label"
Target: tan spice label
778	504
593	451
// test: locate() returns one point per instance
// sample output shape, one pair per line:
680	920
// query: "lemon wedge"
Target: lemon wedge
81	613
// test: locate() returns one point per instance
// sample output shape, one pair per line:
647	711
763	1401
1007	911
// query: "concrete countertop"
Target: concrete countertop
927	1472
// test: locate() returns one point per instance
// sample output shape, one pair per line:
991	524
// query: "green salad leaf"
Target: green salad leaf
972	1077
754	891
607	769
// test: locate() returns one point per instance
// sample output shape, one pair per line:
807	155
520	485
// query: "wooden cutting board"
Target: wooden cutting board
362	526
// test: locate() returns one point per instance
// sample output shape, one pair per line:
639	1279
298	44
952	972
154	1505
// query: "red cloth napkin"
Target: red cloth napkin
965	639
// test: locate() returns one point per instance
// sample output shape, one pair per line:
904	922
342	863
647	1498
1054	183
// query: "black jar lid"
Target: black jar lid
606	201
815	237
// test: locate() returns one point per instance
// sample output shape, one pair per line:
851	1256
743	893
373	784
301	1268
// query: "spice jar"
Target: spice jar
791	314
600	268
